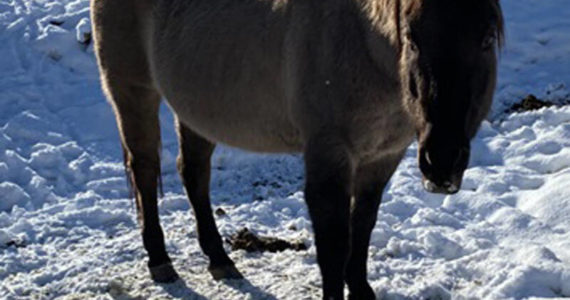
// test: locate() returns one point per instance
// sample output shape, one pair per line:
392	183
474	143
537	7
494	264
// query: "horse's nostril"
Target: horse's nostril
453	188
447	184
428	159
430	186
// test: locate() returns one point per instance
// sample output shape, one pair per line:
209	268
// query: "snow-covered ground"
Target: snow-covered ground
68	228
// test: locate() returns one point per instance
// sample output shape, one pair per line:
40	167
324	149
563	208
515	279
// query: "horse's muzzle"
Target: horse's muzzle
446	188
443	170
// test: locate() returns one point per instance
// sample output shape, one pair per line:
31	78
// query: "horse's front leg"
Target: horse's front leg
328	191
370	180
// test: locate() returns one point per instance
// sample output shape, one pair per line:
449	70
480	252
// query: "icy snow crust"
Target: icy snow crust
68	228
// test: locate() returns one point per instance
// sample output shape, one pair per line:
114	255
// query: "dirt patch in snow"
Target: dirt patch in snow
248	241
530	102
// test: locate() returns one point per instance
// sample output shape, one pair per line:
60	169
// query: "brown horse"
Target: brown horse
347	82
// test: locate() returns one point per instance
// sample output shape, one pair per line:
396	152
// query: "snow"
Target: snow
68	227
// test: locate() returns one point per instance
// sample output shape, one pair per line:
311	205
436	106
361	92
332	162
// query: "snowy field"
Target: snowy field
68	229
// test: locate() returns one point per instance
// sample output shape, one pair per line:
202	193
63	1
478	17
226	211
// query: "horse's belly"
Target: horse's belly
240	105
240	124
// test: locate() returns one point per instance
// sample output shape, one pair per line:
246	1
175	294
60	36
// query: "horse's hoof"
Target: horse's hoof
225	272
164	273
363	293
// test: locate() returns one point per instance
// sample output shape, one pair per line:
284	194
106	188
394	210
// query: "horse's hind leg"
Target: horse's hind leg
129	88
194	168
136	109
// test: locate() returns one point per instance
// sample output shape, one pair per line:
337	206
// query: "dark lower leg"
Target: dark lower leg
328	192
137	115
370	182
144	178
362	222
153	239
332	242
194	167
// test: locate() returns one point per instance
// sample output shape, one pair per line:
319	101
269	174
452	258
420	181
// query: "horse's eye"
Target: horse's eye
413	47
411	42
489	41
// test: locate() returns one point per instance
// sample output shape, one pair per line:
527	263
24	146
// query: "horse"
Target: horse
348	83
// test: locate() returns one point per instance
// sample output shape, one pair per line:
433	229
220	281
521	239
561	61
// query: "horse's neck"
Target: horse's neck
382	18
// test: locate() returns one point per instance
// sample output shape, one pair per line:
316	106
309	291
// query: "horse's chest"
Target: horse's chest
384	133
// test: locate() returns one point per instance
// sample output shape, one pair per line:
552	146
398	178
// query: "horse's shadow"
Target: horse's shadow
180	290
245	286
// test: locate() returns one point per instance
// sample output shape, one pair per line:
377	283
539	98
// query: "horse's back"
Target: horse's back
219	63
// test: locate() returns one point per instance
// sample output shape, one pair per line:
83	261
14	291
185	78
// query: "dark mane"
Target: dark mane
410	8
500	23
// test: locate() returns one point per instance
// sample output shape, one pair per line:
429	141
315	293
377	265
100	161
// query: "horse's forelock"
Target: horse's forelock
410	8
399	11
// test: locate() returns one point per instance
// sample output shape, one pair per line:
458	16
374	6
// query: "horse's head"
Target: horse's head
448	67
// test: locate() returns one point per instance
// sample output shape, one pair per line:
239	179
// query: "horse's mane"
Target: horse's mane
386	14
